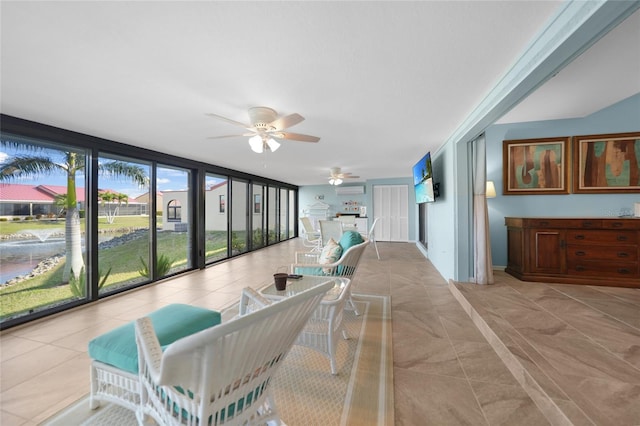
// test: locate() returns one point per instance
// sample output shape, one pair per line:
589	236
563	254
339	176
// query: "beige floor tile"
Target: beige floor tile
507	405
444	371
435	400
12	346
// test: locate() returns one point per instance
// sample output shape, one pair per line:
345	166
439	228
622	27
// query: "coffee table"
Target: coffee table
321	332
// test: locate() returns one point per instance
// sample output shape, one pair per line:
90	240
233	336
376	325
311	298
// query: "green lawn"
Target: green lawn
122	261
121	222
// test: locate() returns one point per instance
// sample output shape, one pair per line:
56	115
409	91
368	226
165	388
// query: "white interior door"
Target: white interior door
391	205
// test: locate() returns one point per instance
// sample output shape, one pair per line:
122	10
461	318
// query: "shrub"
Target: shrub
16	219
3	219
78	285
163	266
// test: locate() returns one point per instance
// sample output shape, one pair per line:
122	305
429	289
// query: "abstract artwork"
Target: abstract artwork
535	166
606	163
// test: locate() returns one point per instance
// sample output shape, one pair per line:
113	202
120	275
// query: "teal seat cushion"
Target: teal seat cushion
118	346
308	271
350	239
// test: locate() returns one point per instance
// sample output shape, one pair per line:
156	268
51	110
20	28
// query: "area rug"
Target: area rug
305	391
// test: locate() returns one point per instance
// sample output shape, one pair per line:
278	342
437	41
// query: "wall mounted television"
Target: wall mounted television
423	180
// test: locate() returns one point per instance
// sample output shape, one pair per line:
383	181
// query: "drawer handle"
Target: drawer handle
621	238
623	254
587	224
623	271
544	223
580	268
617	224
580	253
579	237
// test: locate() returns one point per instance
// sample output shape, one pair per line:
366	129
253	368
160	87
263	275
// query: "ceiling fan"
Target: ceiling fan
265	127
337	176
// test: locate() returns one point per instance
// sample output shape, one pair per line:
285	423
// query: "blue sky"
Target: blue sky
167	179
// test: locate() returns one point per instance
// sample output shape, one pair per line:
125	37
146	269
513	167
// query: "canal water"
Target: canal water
21	256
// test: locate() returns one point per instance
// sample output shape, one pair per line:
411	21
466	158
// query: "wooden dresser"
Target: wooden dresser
594	251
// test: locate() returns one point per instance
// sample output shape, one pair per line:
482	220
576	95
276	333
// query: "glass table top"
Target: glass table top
295	286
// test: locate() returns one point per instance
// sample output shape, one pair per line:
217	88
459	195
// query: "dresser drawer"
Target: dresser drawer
575	236
602	269
620	253
621	224
585	223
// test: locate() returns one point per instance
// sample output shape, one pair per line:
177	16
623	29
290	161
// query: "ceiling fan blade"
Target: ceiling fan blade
349	176
228	120
230	136
286	122
294	136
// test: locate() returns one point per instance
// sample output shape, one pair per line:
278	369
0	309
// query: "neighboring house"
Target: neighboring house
19	200
144	199
175	210
28	200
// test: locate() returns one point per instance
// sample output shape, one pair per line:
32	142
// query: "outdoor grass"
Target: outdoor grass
122	261
122	222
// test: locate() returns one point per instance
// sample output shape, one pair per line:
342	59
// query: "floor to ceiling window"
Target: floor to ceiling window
43	225
257	215
272	214
292	213
123	222
134	217
239	235
282	214
216	224
174	231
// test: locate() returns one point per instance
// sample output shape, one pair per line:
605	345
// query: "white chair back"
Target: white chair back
311	237
372	236
224	372
330	229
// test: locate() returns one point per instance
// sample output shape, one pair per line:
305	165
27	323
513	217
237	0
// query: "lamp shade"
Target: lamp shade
490	192
272	144
256	144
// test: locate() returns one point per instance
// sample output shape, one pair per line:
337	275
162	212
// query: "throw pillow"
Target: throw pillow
350	239
330	254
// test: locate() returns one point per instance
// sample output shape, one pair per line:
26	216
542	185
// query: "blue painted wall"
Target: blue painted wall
449	218
311	194
623	116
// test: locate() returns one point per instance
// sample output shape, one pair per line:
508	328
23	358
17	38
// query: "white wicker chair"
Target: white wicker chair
307	263
372	236
325	325
224	373
330	229
311	237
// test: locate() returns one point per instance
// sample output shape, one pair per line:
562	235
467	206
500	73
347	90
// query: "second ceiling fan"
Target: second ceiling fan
265	127
336	176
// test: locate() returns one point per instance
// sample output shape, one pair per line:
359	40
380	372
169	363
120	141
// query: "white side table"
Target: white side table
321	332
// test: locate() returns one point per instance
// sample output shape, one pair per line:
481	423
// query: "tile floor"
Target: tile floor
445	371
575	348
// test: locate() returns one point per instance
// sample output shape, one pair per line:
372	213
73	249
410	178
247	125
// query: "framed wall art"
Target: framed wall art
536	166
606	163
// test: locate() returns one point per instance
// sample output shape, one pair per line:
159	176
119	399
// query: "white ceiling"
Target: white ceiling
381	83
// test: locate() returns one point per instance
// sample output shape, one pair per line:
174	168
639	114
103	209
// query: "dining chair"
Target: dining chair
330	229
371	236
311	237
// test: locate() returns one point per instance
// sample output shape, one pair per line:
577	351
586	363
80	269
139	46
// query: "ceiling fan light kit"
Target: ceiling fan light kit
336	176
260	144
265	126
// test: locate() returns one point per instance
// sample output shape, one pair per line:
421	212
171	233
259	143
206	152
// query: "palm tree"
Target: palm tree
108	199
72	163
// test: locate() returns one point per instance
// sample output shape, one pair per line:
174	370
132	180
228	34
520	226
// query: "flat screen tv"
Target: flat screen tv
423	180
